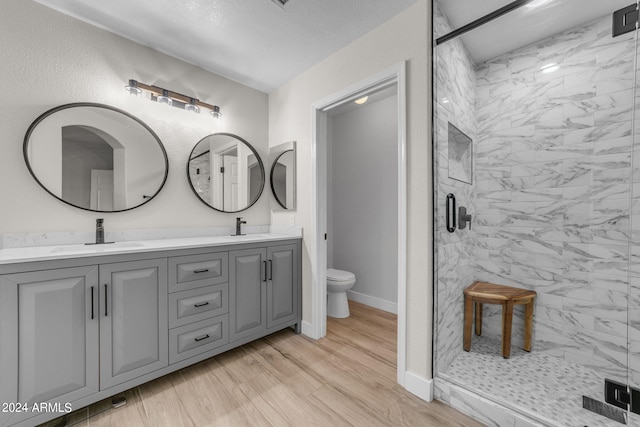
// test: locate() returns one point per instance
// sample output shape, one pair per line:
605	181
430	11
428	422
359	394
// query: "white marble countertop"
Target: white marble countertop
44	253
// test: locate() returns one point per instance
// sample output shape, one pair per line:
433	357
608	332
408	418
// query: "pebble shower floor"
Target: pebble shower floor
546	387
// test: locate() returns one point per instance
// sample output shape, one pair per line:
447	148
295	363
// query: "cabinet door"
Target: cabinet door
49	349
282	284
133	320
247	297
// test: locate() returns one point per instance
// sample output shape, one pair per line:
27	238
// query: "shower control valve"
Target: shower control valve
463	218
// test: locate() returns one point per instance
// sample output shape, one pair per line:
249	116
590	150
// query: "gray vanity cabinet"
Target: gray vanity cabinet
247	294
133	320
282	285
49	332
263	289
74	331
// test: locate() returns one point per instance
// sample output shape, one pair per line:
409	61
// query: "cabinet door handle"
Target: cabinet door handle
201	305
202	338
270	270
92	301
106	312
264	274
204	270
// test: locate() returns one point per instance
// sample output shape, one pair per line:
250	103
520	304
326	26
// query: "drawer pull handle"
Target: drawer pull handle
202	304
106	305
204	270
92	300
202	338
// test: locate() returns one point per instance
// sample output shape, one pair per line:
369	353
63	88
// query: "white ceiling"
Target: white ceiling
255	42
524	25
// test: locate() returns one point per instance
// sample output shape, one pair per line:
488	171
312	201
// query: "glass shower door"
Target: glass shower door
634	251
554	195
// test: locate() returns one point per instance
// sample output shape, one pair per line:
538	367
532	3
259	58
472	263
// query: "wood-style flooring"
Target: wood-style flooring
346	378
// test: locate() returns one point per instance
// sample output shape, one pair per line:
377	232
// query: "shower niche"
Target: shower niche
460	155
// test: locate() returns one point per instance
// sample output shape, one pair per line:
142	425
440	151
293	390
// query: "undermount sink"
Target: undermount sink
93	248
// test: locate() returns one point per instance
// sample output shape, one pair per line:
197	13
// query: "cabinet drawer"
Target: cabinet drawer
198	304
197	271
195	338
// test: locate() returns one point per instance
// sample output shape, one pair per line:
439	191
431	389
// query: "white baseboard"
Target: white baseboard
421	387
379	303
308	330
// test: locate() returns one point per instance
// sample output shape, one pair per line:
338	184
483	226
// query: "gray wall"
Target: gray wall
57	60
364	192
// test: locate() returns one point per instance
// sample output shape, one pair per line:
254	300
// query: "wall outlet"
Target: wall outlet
292	220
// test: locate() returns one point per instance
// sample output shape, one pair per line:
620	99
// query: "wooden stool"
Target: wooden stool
507	296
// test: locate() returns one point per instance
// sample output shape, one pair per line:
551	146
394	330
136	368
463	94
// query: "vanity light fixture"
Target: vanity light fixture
171	98
361	100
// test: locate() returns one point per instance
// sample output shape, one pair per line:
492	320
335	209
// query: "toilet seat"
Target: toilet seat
338	276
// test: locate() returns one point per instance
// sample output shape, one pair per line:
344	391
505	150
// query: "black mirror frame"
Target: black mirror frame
253	150
97	105
273	166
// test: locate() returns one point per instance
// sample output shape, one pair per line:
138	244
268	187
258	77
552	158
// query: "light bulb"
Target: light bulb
133	88
191	106
164	99
216	112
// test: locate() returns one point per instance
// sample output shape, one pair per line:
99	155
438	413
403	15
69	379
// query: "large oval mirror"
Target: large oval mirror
226	172
95	157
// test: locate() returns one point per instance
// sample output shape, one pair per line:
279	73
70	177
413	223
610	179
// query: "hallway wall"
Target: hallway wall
364	193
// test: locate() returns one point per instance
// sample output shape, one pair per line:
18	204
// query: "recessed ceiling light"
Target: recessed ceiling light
361	100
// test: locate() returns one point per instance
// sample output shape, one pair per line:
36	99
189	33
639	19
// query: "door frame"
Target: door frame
394	75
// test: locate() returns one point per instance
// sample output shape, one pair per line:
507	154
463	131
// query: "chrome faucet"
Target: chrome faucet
99	231
239	223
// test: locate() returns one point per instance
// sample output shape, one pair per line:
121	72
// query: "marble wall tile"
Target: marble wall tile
555	188
455	87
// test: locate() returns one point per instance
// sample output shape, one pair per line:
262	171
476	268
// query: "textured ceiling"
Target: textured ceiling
256	42
530	23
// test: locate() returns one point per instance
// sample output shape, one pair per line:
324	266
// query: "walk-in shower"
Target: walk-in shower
536	134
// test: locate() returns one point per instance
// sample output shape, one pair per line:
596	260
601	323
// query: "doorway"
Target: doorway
393	77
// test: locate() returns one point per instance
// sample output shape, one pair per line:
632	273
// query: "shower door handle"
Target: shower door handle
451	213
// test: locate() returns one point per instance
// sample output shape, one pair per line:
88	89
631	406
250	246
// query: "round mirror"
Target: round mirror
95	157
283	179
226	172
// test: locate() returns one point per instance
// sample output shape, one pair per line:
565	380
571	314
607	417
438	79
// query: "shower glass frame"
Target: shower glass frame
456	262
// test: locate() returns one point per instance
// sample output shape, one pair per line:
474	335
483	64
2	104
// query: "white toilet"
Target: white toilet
338	283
